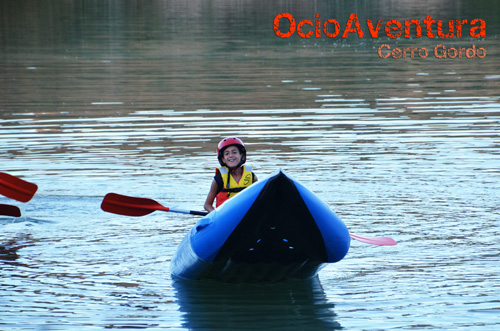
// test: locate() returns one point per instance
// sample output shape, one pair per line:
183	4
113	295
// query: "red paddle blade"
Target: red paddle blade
16	188
129	206
381	241
9	210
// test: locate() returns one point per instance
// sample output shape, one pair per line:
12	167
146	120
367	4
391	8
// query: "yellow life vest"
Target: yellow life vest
229	191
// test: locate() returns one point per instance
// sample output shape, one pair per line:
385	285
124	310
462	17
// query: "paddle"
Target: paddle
16	188
130	206
381	241
9	210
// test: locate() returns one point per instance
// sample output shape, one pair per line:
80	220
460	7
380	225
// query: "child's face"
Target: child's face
232	156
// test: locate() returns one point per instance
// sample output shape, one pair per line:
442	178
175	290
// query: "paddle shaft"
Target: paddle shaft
192	212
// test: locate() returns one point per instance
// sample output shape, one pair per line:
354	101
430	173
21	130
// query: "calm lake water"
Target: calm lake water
133	97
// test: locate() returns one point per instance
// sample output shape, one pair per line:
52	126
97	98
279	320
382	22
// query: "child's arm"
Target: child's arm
214	188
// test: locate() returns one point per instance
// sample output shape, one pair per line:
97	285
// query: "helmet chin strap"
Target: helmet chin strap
231	170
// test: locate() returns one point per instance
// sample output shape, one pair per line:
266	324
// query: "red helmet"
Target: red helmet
231	141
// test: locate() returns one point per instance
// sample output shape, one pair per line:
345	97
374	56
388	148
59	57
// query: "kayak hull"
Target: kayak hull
272	231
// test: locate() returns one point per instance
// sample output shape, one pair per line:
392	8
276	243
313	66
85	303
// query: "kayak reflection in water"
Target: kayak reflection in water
233	176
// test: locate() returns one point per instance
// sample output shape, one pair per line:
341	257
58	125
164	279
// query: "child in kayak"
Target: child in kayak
233	176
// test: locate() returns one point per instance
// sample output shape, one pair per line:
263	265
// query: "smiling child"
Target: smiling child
233	176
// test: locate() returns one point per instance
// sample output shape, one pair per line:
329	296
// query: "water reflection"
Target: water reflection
9	249
292	305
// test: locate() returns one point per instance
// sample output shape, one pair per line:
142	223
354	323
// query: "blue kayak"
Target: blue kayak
274	230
